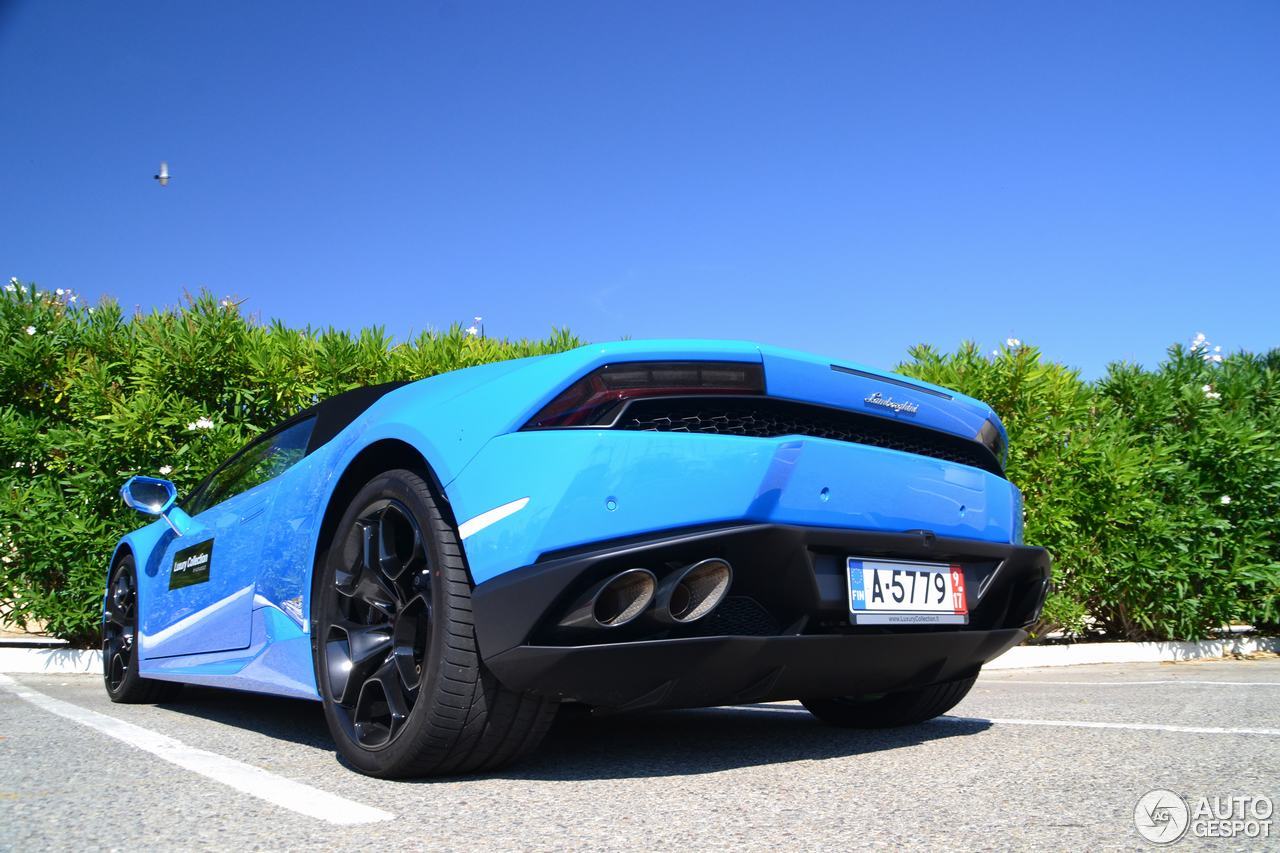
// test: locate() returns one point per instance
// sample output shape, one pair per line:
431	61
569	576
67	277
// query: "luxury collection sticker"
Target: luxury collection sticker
191	565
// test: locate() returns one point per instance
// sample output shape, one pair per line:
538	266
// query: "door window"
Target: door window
269	456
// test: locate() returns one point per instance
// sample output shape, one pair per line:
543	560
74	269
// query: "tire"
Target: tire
119	642
902	708
405	692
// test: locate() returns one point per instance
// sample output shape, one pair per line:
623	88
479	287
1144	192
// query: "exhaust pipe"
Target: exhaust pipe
691	593
614	601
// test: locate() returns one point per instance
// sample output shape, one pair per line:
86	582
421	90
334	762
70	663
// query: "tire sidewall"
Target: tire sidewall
130	682
412	491
905	707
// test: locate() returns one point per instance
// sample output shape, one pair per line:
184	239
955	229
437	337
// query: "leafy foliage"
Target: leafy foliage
1157	492
89	397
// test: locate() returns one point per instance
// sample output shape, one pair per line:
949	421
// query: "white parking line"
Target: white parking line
1070	724
251	780
989	682
1089	724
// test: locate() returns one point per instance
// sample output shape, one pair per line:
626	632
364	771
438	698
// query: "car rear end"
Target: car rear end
675	525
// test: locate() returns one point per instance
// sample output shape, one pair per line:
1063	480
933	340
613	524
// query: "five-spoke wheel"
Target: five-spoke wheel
118	634
377	636
404	690
120	640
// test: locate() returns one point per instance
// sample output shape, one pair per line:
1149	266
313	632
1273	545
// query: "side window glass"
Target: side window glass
268	457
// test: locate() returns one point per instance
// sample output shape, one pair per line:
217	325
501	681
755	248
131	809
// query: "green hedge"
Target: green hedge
1127	479
89	397
1157	492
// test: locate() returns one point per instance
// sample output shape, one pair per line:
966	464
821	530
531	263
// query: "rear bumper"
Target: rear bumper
783	632
592	485
706	671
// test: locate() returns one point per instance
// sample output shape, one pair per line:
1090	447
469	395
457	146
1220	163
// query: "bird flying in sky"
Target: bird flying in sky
163	176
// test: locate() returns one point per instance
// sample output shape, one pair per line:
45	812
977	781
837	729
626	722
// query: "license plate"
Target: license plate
896	592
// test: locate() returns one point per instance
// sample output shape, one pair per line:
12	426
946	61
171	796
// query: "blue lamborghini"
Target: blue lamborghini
631	526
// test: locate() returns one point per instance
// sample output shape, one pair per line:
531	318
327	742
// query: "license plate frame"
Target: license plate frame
871	606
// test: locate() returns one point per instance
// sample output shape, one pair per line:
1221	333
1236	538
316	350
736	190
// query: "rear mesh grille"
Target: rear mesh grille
766	417
737	616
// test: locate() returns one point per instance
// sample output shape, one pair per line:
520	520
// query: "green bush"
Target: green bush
1157	491
89	397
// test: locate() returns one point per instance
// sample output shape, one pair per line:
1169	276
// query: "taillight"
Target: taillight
597	398
992	437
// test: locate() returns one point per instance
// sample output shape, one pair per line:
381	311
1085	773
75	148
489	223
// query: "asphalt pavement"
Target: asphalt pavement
1032	759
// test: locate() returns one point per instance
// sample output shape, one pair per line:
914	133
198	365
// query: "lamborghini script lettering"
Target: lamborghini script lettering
899	406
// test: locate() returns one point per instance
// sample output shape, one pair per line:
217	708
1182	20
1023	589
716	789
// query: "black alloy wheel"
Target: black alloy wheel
120	641
397	666
378	630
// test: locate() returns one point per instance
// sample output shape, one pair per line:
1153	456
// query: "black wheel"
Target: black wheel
119	642
405	692
891	709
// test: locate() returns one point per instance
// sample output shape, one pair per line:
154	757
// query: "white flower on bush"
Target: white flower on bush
472	331
1012	343
1209	393
31	330
1224	500
199	424
12	285
165	470
1201	346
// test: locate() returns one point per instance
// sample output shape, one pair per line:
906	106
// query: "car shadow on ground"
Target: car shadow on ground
295	720
708	740
583	747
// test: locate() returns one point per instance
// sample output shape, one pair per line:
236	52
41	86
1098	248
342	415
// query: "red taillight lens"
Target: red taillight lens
596	399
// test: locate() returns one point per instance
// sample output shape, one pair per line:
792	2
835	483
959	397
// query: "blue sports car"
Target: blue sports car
627	526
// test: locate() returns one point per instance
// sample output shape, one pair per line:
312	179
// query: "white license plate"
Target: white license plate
896	592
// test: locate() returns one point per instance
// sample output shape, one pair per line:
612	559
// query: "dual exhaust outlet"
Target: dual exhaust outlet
686	595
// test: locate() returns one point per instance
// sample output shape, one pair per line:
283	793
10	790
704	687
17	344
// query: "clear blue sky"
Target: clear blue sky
1100	179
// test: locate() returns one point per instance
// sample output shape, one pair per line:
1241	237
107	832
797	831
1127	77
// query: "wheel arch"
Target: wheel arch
385	454
124	548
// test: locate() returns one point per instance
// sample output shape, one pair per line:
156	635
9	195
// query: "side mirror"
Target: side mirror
149	494
154	496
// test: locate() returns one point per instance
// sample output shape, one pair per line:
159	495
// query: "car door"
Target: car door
200	592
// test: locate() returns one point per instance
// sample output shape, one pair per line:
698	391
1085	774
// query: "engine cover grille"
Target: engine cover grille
767	417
